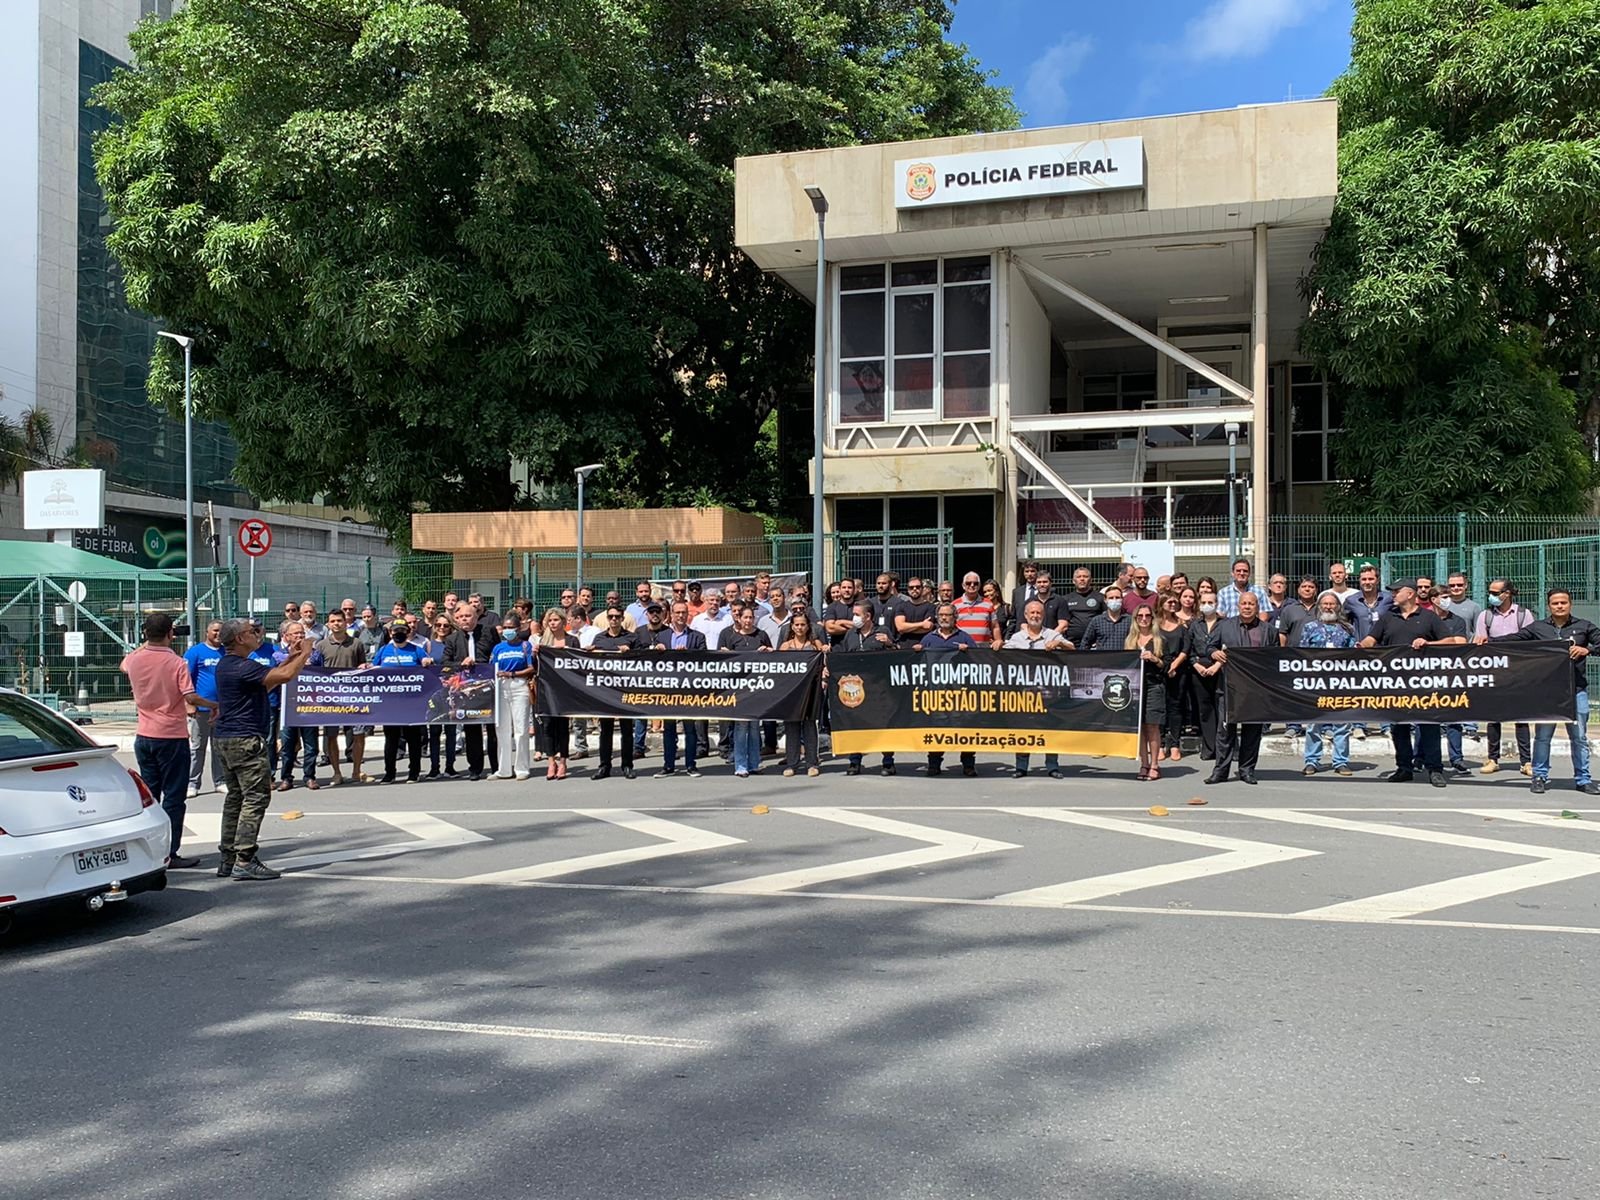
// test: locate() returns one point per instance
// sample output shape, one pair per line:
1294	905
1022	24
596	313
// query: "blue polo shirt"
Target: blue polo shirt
202	659
270	656
937	641
511	656
403	654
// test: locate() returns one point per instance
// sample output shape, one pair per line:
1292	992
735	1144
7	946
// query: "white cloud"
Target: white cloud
1243	28
1044	95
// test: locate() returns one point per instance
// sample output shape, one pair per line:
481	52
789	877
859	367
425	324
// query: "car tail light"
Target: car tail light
146	796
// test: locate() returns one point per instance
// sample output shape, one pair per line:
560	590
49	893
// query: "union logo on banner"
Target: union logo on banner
920	181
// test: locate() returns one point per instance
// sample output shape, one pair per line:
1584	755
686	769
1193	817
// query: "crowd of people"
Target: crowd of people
227	685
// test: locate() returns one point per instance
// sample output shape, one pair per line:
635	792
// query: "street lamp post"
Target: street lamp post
188	481
1232	429
819	370
582	473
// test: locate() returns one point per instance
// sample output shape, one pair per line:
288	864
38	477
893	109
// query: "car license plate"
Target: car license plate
101	858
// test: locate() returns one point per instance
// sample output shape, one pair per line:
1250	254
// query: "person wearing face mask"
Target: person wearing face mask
1503	619
1204	639
401	651
512	658
1109	630
946	638
1330	631
866	636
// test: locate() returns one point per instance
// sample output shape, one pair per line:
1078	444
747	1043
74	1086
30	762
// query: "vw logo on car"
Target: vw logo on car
77	795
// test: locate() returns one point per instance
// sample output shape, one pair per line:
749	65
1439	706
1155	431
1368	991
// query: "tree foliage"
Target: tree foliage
1456	296
418	239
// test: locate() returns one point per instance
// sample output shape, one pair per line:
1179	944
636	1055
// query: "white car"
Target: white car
75	825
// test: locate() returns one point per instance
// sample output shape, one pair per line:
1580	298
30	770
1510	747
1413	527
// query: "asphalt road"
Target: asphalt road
879	987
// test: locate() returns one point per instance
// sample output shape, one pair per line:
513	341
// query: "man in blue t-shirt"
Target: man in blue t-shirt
270	655
202	658
401	651
239	739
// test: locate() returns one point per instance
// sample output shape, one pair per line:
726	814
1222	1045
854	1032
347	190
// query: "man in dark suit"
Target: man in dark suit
1233	739
470	643
676	635
1027	590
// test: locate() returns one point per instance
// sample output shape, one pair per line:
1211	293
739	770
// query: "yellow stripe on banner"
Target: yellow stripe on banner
985	741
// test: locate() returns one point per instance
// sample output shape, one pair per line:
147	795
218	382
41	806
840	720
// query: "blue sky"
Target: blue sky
1069	61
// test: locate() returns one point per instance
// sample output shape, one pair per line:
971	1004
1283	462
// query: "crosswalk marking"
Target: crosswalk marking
943	845
676	838
1550	866
1237	855
428	833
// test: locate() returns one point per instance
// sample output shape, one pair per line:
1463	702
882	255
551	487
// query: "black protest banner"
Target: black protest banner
1500	681
995	701
391	696
679	685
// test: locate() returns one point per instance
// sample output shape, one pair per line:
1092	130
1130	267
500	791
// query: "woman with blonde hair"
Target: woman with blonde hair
551	733
798	733
1145	637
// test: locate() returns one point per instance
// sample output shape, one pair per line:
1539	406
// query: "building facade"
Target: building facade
1054	342
69	343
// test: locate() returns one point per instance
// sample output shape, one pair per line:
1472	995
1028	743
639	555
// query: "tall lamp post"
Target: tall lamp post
582	473
819	369
1232	429
188	481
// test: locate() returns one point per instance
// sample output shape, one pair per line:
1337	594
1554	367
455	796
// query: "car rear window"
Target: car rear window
28	730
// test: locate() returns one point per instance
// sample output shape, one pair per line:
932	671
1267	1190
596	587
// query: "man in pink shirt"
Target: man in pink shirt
164	694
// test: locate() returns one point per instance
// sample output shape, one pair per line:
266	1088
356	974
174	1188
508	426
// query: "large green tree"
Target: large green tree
1456	296
420	239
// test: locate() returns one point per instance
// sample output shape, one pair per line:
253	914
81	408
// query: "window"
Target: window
1316	413
915	340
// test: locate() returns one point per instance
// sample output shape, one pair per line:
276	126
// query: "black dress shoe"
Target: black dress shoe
627	772
1589	789
852	770
970	771
1399	777
889	770
602	773
1217	777
1247	777
1019	773
935	770
1436	778
178	862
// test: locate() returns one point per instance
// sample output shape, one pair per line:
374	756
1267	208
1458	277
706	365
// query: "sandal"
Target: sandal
1155	772
1144	773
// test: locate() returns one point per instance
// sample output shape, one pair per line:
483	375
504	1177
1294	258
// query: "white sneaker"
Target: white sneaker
522	774
193	791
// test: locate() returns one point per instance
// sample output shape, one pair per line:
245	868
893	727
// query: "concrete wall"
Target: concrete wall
19	204
1272	154
602	528
1028	351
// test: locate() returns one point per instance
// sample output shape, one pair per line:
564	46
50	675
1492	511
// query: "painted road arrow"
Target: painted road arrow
943	845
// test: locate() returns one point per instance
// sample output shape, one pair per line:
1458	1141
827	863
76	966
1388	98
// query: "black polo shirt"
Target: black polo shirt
732	639
627	643
1079	610
838	611
1576	631
1392	629
913	611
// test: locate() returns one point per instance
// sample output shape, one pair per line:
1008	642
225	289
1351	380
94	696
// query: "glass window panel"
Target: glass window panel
915	274
966	318
913	323
966	385
858	515
861	325
913	385
966	270
1303	373
1335	409
970	518
1306	457
861	392
1099	385
860	278
1141	383
1306	405
913	512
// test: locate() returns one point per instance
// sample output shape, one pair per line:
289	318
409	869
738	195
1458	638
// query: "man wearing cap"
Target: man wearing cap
1405	624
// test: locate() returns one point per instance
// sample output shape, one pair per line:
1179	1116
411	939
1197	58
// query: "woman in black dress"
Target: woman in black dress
550	733
1207	680
1174	627
1145	637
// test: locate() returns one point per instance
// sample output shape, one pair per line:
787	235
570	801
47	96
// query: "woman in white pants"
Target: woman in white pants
513	668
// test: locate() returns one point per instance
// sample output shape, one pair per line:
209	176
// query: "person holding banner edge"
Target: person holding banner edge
1502	620
866	637
1580	635
552	733
471	642
1407	624
513	668
801	736
1246	631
